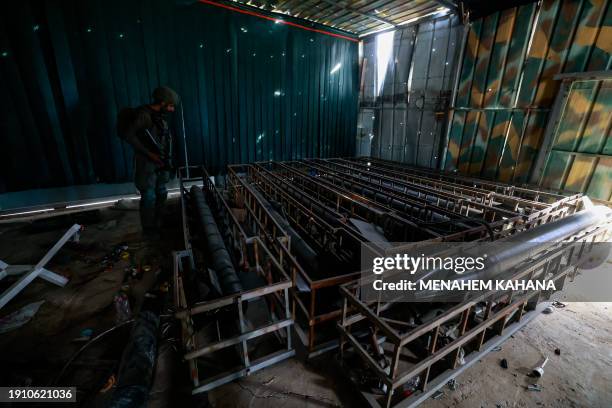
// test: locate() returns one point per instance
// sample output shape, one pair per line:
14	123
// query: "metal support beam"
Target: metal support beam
549	133
38	269
349	9
443	148
49	276
449	4
439	382
3	272
274	290
585	76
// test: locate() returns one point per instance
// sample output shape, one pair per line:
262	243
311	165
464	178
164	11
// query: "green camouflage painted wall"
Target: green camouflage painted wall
506	90
581	156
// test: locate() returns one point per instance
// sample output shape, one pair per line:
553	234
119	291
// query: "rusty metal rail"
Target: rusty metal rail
311	306
462	200
533	195
444	212
433	211
414	360
346	204
320	204
208	354
528	213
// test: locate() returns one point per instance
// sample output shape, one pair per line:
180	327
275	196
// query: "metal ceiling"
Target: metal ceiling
359	17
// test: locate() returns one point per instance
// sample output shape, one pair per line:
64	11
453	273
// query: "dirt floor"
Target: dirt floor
37	353
110	258
579	377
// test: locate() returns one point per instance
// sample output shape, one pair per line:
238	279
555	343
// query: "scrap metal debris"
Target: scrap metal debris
437	395
38	270
538	371
120	251
122	306
504	363
19	317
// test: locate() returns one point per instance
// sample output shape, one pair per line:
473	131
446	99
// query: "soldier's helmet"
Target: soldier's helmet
165	94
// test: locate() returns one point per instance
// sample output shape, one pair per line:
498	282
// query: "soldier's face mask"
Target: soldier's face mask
168	108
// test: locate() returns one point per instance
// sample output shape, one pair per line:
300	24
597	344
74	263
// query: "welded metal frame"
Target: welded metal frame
554	120
516	308
308	309
358	206
530	207
304	214
276	292
455	201
14	270
501	214
422	201
277	180
475	192
38	270
503	189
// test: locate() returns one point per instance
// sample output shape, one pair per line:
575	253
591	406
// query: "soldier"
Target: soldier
146	129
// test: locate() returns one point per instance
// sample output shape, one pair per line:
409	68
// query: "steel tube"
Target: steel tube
514	250
219	257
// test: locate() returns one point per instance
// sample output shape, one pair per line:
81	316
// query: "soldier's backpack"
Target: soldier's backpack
126	119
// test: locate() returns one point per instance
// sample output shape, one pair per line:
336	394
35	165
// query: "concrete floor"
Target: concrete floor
579	377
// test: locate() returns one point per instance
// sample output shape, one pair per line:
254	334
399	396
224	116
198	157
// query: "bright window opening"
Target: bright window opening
384	48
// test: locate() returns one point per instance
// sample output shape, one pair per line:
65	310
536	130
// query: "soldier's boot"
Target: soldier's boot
161	196
148	215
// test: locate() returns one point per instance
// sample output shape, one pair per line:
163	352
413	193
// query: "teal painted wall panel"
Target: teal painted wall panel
251	89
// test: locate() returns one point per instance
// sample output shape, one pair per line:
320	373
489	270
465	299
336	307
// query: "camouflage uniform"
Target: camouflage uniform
150	134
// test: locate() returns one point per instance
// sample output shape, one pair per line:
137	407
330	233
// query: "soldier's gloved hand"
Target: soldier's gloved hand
155	158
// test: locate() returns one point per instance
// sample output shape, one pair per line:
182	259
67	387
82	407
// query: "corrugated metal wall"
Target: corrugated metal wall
506	86
252	89
580	155
406	121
